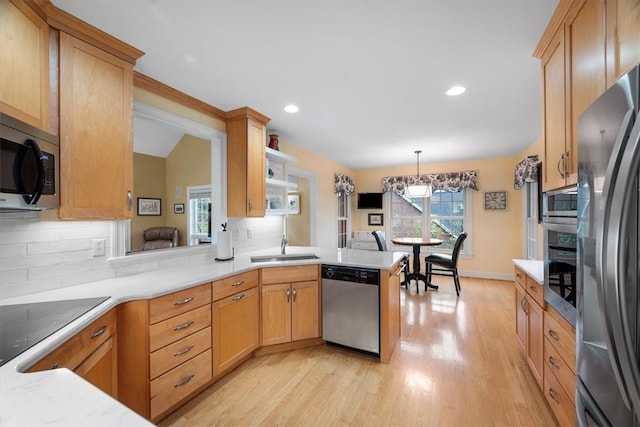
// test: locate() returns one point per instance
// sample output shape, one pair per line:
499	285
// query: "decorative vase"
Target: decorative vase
273	142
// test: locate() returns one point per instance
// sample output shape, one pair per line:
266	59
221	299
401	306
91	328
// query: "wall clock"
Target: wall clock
495	200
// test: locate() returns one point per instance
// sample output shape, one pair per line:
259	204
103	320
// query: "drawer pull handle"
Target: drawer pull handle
184	351
552	395
55	365
295	294
237	297
554	335
288	295
99	332
185	381
533	288
553	362
238	283
185	325
183	301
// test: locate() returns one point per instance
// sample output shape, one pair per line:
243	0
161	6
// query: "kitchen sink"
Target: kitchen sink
283	257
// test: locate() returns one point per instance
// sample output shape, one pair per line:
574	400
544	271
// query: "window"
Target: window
443	216
343	219
199	211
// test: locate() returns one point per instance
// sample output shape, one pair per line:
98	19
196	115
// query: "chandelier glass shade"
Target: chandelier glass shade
418	189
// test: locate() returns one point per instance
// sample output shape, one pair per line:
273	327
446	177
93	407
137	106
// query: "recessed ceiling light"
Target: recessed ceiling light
456	90
291	108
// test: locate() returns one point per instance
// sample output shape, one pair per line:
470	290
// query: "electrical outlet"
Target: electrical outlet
249	233
98	247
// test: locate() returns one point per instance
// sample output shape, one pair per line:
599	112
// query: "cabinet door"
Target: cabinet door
101	368
553	76
627	49
521	315
535	338
235	329
276	314
24	55
96	142
255	169
587	72
304	310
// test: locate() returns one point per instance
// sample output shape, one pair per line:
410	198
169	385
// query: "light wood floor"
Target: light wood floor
457	364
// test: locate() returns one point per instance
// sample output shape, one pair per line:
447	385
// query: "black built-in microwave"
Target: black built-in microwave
29	170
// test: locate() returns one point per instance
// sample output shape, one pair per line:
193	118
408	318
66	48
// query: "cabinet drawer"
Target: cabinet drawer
238	283
167	306
536	291
561	337
80	346
178	383
296	273
520	277
178	327
180	351
565	377
562	407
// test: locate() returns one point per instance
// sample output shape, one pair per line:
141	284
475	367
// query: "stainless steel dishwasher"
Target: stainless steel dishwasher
351	307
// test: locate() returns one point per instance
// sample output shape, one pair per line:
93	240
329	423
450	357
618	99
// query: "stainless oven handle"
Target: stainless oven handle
608	259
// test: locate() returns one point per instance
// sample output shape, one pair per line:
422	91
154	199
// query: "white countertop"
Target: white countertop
59	397
533	268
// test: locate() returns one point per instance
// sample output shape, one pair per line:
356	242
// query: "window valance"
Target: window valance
452	182
526	171
343	184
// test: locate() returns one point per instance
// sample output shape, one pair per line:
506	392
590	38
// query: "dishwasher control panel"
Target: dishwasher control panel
369	276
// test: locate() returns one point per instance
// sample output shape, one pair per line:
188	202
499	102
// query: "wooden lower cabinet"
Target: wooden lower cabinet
560	367
290	309
164	352
236	329
91	353
529	309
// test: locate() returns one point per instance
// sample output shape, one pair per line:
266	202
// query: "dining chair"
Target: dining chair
438	264
382	246
380	240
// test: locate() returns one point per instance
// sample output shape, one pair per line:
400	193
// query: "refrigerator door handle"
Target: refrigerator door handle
617	196
607	301
586	407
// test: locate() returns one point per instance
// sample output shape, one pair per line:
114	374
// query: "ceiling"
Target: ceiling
369	76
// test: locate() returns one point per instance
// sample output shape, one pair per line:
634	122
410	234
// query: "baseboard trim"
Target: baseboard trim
485	275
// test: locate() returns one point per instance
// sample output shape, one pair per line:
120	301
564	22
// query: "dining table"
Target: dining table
417	243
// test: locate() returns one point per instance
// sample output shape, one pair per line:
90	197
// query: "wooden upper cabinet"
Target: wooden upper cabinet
553	80
96	140
623	37
246	142
572	52
24	55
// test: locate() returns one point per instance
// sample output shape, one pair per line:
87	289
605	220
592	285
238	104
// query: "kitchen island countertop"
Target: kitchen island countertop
59	397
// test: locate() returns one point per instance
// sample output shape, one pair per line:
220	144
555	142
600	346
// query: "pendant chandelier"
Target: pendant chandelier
418	189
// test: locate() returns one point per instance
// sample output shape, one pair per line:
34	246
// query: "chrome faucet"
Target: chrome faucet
283	244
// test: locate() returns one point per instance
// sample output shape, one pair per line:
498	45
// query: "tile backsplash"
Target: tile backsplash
40	255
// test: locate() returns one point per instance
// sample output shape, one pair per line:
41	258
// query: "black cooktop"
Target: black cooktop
24	325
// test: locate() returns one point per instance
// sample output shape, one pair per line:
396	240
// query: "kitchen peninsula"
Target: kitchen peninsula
60	397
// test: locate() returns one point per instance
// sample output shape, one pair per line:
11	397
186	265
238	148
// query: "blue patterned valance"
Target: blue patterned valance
450	181
526	171
343	184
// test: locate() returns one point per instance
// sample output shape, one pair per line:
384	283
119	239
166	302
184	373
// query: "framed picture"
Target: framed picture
495	200
375	219
293	203
178	208
148	206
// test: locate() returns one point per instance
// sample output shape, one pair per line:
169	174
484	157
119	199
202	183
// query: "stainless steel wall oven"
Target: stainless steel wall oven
560	258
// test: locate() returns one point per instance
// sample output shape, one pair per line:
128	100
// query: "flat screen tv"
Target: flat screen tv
369	200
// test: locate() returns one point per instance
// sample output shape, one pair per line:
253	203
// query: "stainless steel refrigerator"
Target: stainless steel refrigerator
608	324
